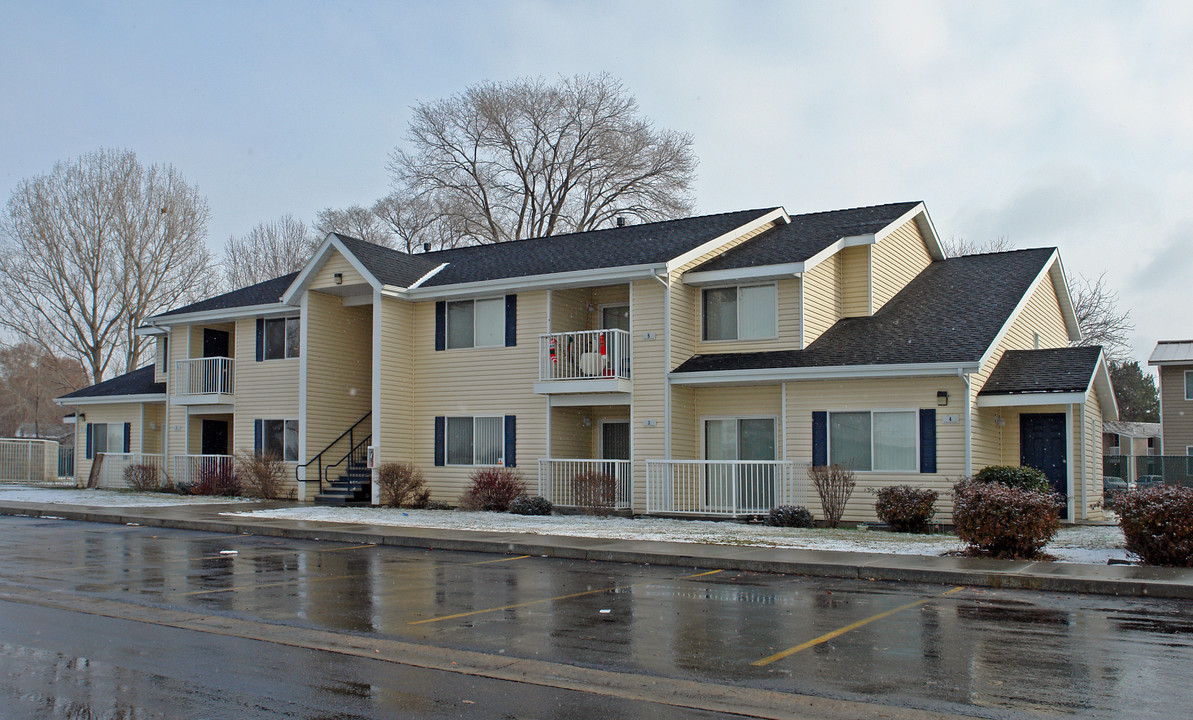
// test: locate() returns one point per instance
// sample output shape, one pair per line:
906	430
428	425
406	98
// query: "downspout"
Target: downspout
1084	469
666	364
968	425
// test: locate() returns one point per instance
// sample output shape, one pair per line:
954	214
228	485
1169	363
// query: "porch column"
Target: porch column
1069	463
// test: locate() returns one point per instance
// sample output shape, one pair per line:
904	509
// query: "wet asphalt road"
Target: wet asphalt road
978	652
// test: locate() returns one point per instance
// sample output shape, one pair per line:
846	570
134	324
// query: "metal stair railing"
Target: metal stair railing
358	455
318	459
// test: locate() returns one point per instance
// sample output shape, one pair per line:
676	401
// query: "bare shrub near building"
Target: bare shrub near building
402	486
492	489
835	485
142	477
262	476
595	492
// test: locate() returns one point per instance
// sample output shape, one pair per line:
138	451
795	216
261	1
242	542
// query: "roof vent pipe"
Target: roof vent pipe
426	247
621	221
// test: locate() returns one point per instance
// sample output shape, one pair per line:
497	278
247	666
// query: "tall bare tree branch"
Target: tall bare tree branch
1096	307
525	158
267	251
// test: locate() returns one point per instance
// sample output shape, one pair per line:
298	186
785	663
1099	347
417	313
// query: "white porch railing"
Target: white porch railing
724	487
191	468
111	474
28	460
584	355
587	483
203	376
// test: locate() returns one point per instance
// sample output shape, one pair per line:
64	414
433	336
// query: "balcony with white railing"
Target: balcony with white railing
199	469
584	361
203	381
723	488
587	483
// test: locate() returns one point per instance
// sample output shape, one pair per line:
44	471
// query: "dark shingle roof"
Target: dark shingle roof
1058	370
390	267
950	313
807	235
262	293
137	382
645	244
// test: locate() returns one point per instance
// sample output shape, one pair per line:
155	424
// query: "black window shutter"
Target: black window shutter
819	438
260	339
928	440
511	320
441	325
511	437
128	433
440	440
258	435
90	434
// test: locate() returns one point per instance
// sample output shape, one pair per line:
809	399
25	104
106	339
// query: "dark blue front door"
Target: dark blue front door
1042	446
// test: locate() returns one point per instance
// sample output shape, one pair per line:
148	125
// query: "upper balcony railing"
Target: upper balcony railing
203	377
584	355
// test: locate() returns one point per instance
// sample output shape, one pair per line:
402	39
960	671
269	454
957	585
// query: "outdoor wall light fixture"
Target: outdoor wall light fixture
942	397
339	278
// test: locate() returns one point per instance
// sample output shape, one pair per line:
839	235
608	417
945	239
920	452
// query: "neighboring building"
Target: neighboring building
697	365
61	432
1131	438
1174	362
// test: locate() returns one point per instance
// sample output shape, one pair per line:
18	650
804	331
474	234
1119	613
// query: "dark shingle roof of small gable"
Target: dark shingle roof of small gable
1057	370
950	313
137	382
390	267
807	235
263	293
645	244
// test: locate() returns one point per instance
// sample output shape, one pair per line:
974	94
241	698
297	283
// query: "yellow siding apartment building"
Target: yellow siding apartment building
691	367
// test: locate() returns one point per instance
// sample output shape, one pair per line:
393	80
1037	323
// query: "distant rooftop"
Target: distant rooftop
1172	351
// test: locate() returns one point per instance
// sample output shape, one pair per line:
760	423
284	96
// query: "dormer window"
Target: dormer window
744	312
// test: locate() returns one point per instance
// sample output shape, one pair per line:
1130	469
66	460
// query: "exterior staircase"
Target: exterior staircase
353	486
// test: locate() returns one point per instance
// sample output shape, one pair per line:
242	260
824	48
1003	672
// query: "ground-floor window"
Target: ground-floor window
106	438
278	438
474	440
874	440
739	439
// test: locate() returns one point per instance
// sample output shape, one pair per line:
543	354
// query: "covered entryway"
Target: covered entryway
1042	446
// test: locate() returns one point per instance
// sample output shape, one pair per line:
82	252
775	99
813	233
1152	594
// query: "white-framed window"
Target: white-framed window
1112	444
281	338
1188	385
107	438
742	312
1189	460
739	438
476	323
163	352
475	440
279	438
874	440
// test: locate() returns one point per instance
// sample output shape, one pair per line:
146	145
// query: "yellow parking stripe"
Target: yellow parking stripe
558	597
852	626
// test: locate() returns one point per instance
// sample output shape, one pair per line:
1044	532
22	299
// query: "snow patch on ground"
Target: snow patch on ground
104	498
1086	544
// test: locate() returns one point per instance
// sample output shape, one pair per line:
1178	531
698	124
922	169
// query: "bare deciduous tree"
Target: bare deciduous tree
955	247
1096	307
355	221
526	158
94	247
30	379
267	251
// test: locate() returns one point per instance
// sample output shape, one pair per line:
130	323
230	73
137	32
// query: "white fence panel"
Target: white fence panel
587	482
724	487
193	468
28	460
111	471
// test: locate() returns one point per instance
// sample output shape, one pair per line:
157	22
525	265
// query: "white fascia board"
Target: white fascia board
1101	382
424	278
110	399
150	330
1028	399
1006	326
855	240
836	372
316	263
1061	285
224	314
575	278
777	215
734	275
824	254
919	213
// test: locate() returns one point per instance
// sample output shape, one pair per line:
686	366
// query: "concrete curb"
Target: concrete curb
1122	580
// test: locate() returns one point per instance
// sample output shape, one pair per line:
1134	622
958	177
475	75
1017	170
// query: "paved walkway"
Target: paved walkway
1126	580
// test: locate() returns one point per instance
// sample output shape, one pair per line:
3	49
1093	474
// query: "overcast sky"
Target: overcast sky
1066	124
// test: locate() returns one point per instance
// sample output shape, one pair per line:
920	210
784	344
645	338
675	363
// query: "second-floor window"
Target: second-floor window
1189	384
280	338
745	312
476	323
